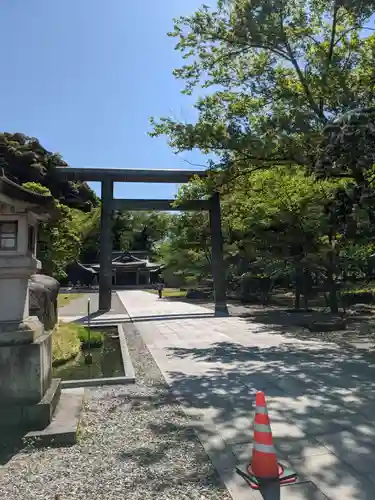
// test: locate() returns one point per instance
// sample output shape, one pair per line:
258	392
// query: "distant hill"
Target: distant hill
24	159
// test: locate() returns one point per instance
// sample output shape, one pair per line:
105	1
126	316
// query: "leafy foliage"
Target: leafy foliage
59	240
65	343
274	224
278	77
89	338
131	231
358	296
187	249
285	105
24	159
278	71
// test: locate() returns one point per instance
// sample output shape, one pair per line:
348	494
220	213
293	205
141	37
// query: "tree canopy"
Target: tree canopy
285	105
24	159
60	240
274	73
284	95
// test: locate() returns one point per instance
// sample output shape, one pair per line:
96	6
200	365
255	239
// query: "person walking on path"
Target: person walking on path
160	289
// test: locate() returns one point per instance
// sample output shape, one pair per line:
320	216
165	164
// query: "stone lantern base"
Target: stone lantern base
28	394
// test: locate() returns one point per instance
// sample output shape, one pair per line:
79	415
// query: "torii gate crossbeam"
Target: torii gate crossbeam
107	177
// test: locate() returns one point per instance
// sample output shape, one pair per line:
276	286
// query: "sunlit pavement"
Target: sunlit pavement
321	398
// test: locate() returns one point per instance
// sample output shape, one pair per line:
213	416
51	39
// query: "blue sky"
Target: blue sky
83	76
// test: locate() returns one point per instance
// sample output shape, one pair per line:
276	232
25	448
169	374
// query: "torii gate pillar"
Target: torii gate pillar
105	273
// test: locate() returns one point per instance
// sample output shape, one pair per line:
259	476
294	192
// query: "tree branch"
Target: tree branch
207	254
330	51
319	113
316	42
237	175
278	160
349	30
194	164
229	55
347	60
252	45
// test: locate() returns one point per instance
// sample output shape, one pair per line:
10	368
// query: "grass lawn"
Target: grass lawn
67	339
169	292
65	298
65	342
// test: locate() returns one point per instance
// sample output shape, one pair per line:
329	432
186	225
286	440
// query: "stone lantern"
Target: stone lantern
28	395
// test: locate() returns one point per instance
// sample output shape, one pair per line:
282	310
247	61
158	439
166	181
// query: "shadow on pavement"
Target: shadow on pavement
91	316
78	306
319	396
166	317
321	401
360	327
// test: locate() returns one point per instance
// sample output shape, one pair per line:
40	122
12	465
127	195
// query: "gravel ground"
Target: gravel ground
135	444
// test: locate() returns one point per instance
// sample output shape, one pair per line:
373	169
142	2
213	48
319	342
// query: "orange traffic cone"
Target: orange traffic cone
264	466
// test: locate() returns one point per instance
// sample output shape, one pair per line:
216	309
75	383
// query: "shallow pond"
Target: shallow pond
106	360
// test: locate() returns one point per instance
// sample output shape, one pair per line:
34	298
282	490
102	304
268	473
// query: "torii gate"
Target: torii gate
107	177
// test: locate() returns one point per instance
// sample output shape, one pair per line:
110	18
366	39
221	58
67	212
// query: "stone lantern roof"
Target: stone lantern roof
41	206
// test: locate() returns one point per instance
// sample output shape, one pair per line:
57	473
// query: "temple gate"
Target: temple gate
107	178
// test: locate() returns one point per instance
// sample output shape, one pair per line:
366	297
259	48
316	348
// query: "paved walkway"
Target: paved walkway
321	398
77	310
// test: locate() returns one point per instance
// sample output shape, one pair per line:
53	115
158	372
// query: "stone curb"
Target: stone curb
129	377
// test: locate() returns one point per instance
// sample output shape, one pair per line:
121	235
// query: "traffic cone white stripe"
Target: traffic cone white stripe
263	466
262	428
264	448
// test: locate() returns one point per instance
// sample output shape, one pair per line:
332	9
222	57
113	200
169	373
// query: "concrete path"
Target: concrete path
321	398
77	310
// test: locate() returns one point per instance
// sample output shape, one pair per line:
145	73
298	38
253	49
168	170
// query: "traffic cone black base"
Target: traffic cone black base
264	468
286	476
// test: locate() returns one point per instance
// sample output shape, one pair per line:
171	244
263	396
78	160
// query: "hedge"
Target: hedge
358	296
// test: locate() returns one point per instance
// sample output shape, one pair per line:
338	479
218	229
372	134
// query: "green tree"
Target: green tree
279	214
275	228
88	227
131	231
123	231
59	241
153	228
187	249
274	73
24	159
139	230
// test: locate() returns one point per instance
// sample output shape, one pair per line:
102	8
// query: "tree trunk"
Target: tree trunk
332	290
298	291
345	275
306	288
306	302
297	299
